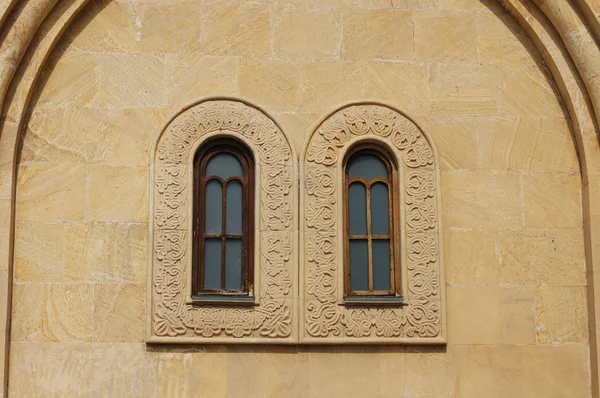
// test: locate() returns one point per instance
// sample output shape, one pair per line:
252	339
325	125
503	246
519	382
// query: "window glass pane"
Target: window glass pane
380	222
381	264
214	207
357	209
233	264
212	264
224	165
234	208
367	167
359	273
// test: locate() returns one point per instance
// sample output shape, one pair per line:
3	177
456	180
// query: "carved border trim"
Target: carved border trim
172	318
324	317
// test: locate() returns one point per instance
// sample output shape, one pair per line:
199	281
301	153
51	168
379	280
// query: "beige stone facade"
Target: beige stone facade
505	93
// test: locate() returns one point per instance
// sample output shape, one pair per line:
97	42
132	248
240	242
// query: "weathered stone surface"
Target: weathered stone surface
471	257
382	80
379	34
544	209
491	315
314	34
476	200
119	312
547	257
236	29
271	83
561	315
324	85
51	192
39	252
116	193
445	36
162	30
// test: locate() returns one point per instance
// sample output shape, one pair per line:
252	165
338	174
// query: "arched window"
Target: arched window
223	220
371	263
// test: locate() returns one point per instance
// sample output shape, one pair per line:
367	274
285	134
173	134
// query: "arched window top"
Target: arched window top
367	166
224	165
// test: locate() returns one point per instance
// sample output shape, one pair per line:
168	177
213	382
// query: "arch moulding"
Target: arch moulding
560	30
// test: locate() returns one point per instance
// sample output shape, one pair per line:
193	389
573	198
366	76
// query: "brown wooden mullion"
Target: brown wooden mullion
369	247
223	232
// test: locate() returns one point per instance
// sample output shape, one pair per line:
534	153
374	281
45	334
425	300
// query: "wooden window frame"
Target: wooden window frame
394	233
201	158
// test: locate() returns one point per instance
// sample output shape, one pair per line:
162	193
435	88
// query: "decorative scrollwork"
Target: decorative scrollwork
325	318
172	316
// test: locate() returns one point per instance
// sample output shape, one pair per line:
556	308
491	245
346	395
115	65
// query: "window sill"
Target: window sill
215	299
396	301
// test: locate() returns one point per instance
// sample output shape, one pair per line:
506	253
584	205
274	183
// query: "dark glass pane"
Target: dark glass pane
212	264
224	165
233	264
214	207
234	208
357	209
367	167
380	222
359	268
381	264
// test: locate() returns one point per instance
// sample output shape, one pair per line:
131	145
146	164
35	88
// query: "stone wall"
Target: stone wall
464	71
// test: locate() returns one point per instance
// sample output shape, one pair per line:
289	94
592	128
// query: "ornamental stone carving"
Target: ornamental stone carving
324	316
173	317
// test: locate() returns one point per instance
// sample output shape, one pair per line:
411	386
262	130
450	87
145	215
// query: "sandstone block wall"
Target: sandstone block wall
463	70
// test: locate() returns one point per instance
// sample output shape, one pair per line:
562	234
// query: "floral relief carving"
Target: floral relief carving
327	320
172	315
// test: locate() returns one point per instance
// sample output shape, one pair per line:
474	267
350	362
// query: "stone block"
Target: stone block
71	135
297	125
272	84
445	36
70	80
471	257
193	75
464	90
50	369
103	26
543	257
201	373
307	34
400	83
413	4
106	252
481	200
39	252
552	200
52	312
236	29
455	140
132	135
132	81
271	371
491	315
123	370
119	312
501	40
117	193
529	92
379	34
528	144
170	27
561	315
327	84
49	192
343	371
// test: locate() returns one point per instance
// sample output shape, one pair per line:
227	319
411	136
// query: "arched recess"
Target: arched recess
172	316
325	317
31	28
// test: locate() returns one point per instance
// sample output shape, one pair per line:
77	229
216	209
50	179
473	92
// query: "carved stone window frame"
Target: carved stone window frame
325	318
172	316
